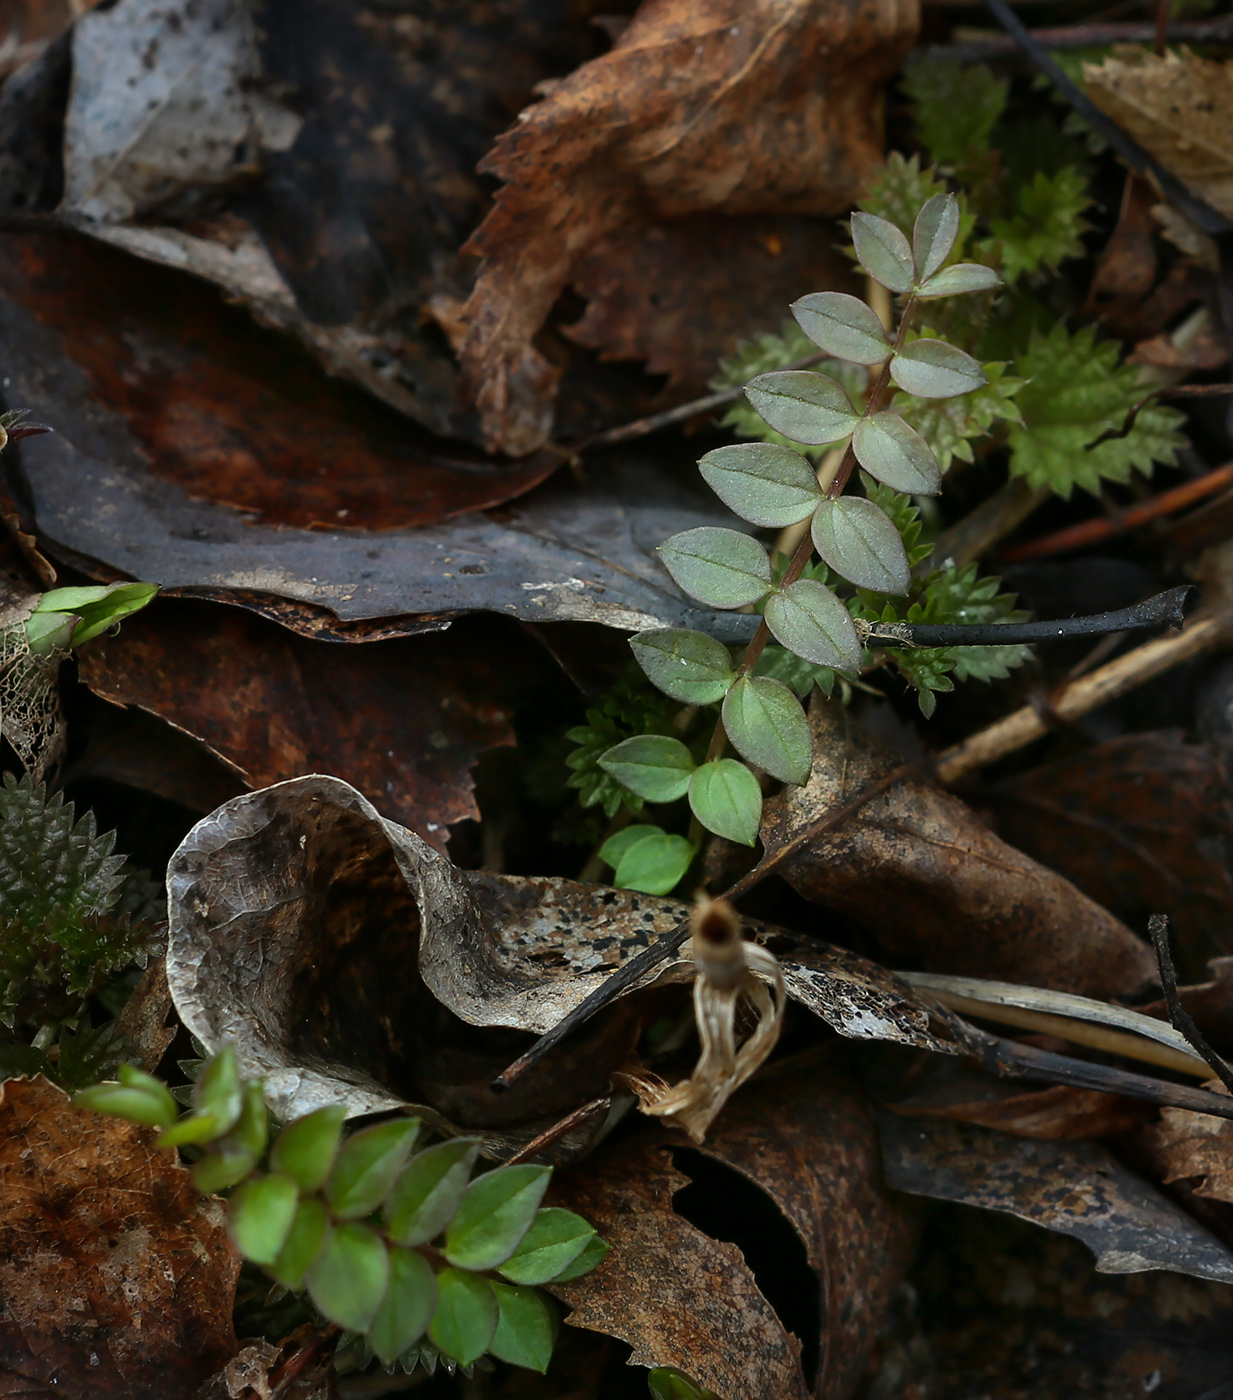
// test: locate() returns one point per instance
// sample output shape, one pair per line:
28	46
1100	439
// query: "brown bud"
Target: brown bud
717	946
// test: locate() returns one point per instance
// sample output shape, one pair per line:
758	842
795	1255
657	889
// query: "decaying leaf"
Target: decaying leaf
288	906
1178	107
1075	1188
703	106
690	1299
921	870
1194	1148
117	1280
30	715
142	1024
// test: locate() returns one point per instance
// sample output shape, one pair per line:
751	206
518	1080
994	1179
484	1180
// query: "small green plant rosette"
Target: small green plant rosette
859	541
725	797
765	483
306	1148
348	1281
843	326
651	765
495	1212
426	1195
407	1308
767	727
687	666
719	567
804	406
808	619
526	1327
466	1317
367	1167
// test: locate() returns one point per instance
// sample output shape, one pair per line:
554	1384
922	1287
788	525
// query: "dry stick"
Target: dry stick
1203	631
1085	36
1176	391
1158	931
555	1133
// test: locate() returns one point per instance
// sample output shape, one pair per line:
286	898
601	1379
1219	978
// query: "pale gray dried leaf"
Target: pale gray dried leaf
30	715
1073	1188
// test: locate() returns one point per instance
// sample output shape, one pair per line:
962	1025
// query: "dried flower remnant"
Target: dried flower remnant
730	970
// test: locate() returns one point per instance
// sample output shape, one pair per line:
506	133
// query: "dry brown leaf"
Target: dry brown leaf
684	1299
1192	1147
918	867
703	106
1180	109
117	1280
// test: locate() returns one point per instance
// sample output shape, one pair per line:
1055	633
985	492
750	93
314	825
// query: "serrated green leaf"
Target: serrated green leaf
722	568
426	1196
612	851
765	484
310	1229
260	1216
629	708
495	1213
652	765
932	369
654	865
843	326
689	666
591	1257
1047	226
956	106
725	797
813	624
934	234
526	1327
767	727
1076	392
136	1103
859	541
465	1321
795	672
803	405
556	1238
306	1148
883	251
901	187
958	280
367	1166
350	1277
949	426
897	455
407	1308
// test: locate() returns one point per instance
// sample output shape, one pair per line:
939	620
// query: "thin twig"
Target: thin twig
555	1133
1158	931
1087	36
1168	391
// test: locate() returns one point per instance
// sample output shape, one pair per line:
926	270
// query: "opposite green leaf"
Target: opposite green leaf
138	1105
652	765
843	326
802	405
408	1306
310	1229
959	279
654	865
495	1213
767	727
933	369
859	541
883	251
897	455
813	624
349	1279
99	606
367	1167
726	799
192	1130
613	850
252	1128
219	1092
556	1238
934	234
594	1254
667	1383
260	1216
226	1164
426	1195
465	1321
722	568
526	1328
689	666
306	1148
766	484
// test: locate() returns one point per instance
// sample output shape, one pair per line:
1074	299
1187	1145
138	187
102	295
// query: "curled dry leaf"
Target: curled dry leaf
117	1280
703	106
683	1298
919	868
288	906
1194	1148
1075	1188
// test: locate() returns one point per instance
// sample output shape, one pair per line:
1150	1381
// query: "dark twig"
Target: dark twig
1088	36
1158	931
555	1133
1165	609
1197	210
1177	391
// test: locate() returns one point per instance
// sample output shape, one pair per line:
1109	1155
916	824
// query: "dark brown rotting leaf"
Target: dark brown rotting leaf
405	718
702	107
1140	824
1075	1188
811	1148
117	1280
921	870
142	1024
1194	1148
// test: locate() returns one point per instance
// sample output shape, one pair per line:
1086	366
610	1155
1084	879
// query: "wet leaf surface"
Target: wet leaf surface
116	1278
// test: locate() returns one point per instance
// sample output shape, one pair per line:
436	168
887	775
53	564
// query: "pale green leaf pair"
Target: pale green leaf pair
884	252
647	859
723	794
